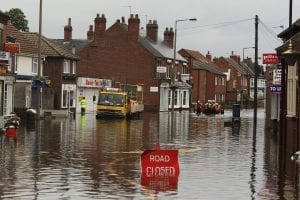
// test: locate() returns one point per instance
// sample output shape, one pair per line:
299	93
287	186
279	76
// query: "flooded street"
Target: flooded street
85	158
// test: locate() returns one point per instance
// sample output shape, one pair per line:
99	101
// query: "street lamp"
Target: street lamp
244	51
173	88
291	55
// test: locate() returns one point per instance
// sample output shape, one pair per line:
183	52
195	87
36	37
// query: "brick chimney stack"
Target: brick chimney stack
134	26
100	26
208	56
235	57
68	31
169	37
152	30
90	33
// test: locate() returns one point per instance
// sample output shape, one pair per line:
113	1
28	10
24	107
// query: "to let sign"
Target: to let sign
12	47
270	58
274	88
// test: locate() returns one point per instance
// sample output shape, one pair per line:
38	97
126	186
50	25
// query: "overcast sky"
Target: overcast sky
222	26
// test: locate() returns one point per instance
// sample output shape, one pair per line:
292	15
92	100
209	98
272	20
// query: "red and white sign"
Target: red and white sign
160	169
12	47
270	58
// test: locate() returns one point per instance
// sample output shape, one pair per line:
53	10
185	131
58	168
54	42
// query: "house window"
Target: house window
252	82
216	80
34	68
291	89
184	98
66	66
170	97
74	67
176	97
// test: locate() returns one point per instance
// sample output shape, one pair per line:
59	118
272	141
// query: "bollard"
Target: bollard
31	119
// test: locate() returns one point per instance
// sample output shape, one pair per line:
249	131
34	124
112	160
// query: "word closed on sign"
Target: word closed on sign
160	169
160	163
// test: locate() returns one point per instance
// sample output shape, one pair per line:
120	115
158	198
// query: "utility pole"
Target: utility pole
255	77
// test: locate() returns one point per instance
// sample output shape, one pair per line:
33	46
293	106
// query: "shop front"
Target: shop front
89	88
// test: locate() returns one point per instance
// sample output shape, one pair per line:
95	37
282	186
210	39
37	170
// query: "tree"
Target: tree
18	19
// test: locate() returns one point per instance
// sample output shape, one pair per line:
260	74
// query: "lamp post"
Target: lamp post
39	89
244	51
174	69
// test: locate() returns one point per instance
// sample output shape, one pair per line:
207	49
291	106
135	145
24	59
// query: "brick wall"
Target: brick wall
118	55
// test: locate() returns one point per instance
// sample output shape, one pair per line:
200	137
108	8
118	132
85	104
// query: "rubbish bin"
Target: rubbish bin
236	111
30	119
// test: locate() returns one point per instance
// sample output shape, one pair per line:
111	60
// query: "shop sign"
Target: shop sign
94	83
270	58
12	47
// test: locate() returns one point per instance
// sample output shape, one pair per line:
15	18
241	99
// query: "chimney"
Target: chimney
235	57
68	32
152	30
100	26
123	20
208	56
134	26
169	36
90	33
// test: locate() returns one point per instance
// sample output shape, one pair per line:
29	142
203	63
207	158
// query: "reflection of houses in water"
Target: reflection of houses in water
180	129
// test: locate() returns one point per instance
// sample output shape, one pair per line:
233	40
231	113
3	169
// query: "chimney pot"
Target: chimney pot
152	30
68	31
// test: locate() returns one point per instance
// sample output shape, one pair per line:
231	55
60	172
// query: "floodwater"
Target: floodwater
85	158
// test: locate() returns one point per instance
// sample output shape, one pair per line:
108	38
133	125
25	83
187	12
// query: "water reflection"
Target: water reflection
85	158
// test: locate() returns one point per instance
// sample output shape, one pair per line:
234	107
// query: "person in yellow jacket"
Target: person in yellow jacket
83	105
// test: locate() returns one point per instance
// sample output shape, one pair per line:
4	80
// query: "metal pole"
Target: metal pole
291	15
39	61
173	70
256	75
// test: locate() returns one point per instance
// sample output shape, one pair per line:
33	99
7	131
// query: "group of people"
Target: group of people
209	108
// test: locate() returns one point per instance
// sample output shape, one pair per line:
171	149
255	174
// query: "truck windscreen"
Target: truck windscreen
111	99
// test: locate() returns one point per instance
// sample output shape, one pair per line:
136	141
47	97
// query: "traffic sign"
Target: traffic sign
160	169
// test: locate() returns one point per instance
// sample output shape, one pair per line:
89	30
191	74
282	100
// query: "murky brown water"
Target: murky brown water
87	158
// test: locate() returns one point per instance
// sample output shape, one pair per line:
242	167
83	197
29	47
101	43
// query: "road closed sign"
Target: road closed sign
160	169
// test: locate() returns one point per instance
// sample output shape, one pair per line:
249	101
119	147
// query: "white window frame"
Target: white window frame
73	67
67	65
292	78
34	67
